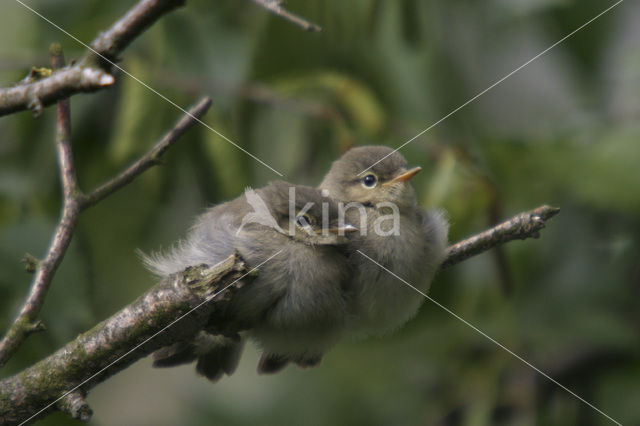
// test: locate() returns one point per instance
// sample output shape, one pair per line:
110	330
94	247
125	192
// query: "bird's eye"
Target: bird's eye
369	180
303	221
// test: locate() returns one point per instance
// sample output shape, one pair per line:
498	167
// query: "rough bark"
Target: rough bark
174	309
166	314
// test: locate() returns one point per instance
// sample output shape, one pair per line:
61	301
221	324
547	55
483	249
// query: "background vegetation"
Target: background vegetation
563	131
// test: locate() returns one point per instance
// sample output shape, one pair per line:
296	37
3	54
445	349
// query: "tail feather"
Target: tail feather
216	355
221	360
272	363
310	361
174	355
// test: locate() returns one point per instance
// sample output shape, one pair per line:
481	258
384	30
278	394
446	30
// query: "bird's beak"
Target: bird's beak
343	230
404	176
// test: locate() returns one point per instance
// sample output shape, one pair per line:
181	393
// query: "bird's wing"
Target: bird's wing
260	213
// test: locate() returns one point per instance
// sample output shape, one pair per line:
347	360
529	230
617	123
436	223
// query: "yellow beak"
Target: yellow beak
404	176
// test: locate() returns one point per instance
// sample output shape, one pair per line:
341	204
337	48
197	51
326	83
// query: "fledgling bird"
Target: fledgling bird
297	306
395	232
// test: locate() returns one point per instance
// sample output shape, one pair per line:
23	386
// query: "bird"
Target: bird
395	232
296	307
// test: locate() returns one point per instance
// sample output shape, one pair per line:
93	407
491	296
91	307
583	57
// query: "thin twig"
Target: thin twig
110	43
275	6
63	135
74	203
522	226
24	324
150	158
93	71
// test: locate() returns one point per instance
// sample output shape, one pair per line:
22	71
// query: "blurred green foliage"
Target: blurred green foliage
563	131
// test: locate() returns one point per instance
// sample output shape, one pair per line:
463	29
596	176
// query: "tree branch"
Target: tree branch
91	73
63	136
74	203
75	405
109	44
24	324
152	157
35	95
94	71
275	6
189	301
522	226
174	309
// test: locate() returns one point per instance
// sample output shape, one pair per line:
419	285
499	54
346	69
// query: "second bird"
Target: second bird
297	306
396	236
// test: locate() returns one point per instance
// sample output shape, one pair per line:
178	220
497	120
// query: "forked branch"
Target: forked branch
74	203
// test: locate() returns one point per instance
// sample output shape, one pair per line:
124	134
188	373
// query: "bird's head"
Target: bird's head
305	215
371	175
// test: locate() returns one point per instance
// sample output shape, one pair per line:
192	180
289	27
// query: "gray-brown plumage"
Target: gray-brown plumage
395	232
296	308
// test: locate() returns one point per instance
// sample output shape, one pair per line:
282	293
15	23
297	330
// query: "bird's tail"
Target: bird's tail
272	363
216	355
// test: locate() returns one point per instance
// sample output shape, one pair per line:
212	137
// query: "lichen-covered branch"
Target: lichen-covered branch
68	176
74	203
275	6
173	310
75	405
522	226
93	71
165	315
